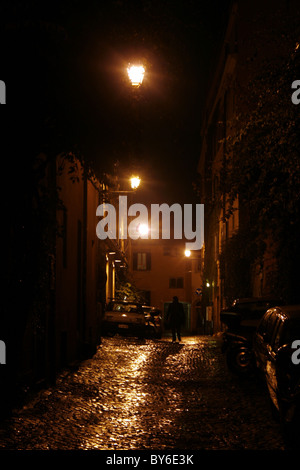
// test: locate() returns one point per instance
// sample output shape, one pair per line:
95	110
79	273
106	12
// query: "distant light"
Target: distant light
207	284
135	181
187	253
136	74
143	229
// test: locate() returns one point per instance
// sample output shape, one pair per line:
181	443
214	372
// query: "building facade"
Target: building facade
242	55
161	269
77	278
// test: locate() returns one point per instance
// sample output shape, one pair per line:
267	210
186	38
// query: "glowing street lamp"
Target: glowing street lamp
136	74
135	182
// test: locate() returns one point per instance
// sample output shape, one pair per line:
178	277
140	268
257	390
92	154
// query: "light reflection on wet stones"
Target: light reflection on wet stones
147	395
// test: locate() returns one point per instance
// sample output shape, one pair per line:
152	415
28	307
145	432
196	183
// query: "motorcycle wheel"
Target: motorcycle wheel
239	360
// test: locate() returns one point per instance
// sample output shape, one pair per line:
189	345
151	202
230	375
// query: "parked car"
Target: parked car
243	316
153	319
241	320
125	318
273	346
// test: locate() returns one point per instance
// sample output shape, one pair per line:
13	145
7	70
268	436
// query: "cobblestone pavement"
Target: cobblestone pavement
147	395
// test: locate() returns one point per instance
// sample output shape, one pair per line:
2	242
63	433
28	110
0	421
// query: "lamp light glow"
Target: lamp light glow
143	229
135	182
136	74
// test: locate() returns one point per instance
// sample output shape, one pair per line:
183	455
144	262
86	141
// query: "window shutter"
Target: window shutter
148	261
134	261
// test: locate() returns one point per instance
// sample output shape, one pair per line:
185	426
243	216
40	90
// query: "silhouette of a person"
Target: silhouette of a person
175	318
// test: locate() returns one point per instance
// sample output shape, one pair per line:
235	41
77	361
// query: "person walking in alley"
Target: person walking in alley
175	318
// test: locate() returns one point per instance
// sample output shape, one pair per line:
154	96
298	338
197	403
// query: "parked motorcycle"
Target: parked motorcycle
239	353
153	322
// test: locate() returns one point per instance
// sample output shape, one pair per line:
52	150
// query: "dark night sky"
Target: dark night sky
68	61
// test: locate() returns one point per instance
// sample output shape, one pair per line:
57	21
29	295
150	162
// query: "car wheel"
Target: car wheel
239	360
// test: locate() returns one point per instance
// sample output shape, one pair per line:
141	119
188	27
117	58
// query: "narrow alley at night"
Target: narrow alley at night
150	228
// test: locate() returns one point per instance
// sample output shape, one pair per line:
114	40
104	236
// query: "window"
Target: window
176	283
142	261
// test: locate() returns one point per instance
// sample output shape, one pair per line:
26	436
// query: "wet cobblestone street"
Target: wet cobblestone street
147	395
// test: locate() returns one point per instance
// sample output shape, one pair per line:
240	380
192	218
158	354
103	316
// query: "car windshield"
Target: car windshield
119	307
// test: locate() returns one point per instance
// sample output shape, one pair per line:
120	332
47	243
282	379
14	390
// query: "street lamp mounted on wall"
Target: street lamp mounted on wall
136	74
135	182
